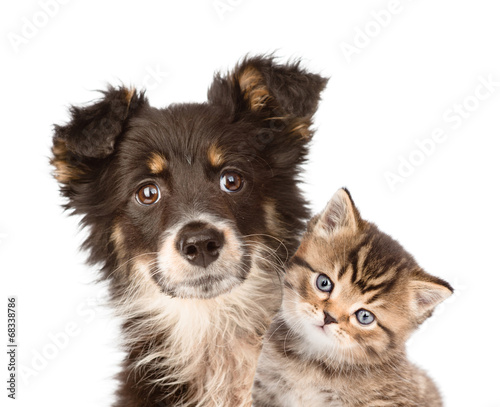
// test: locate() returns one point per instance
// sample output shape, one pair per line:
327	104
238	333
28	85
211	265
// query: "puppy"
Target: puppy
191	211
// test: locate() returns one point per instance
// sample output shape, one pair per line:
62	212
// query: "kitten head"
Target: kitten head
352	292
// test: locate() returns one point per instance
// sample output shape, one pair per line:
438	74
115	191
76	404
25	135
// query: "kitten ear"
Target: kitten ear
426	292
340	213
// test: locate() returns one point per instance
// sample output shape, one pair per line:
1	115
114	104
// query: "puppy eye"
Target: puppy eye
324	283
148	194
365	317
231	181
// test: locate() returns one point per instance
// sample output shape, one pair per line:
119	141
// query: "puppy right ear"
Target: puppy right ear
261	86
92	132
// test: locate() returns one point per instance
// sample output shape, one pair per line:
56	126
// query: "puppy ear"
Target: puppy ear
92	132
259	85
340	214
279	100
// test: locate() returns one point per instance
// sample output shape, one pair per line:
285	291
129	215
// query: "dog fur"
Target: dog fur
192	335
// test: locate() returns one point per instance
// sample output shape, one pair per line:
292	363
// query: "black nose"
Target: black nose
200	244
329	319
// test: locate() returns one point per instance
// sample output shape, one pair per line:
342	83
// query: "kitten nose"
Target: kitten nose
200	244
329	319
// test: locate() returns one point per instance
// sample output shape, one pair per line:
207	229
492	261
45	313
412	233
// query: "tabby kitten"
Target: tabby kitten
352	298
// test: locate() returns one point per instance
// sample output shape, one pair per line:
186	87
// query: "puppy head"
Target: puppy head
188	197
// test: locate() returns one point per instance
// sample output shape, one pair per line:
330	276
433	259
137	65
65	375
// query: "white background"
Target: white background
395	91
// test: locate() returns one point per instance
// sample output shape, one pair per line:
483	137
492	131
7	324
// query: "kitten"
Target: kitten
352	297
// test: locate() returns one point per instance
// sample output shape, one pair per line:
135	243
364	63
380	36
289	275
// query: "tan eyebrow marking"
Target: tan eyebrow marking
215	156
157	163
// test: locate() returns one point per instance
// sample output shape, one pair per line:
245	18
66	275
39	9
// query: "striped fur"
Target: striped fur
308	362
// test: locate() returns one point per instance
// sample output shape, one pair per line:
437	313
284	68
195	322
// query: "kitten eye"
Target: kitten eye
324	283
148	194
365	317
231	181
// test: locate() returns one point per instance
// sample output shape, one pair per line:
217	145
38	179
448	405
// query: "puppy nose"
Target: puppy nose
200	244
329	319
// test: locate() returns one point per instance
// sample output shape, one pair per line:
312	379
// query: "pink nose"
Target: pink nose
329	319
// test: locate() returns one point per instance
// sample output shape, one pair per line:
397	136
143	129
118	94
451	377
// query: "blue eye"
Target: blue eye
324	283
365	317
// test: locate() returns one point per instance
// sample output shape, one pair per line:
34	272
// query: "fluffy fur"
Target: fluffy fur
317	352
192	333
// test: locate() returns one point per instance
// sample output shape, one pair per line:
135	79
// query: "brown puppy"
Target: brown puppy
191	211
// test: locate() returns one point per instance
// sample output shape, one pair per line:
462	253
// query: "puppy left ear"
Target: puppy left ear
93	129
261	86
427	292
92	133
